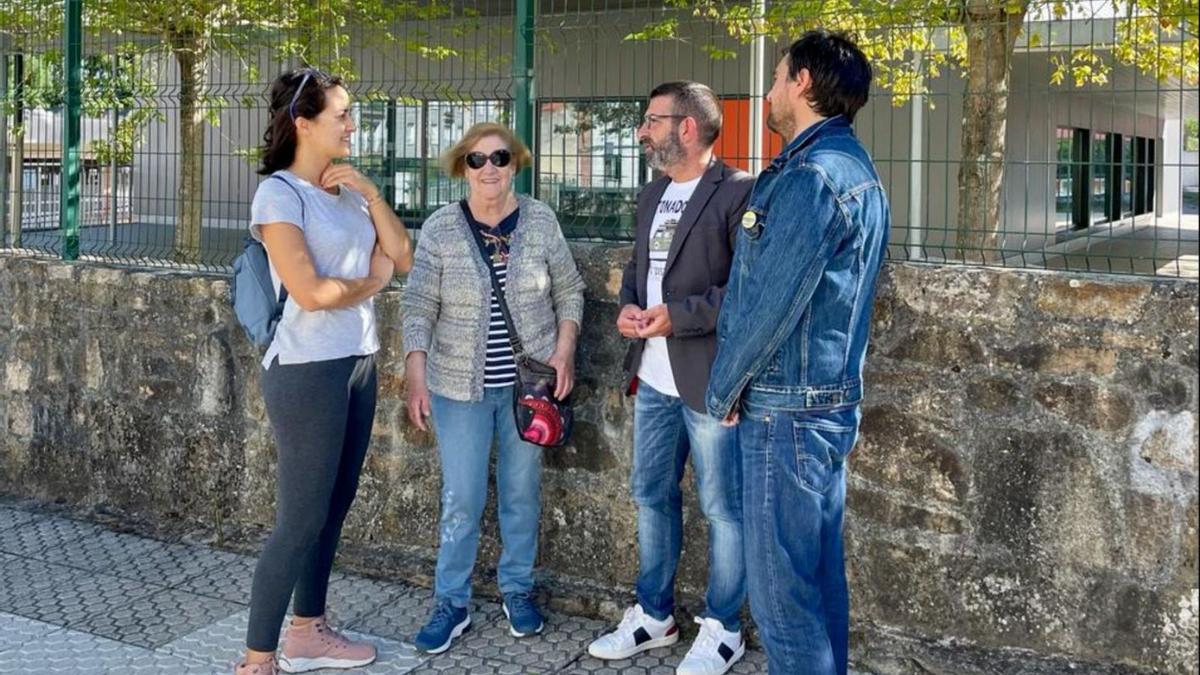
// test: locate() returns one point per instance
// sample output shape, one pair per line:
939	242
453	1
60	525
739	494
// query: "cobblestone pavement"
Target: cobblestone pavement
77	598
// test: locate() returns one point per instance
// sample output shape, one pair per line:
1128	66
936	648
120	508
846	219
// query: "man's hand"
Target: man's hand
628	320
656	322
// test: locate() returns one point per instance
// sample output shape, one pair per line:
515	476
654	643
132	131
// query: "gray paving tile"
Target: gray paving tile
157	619
171	564
20	576
12	518
102	552
72	600
219	644
351	597
660	662
16	631
74	653
561	642
230	582
40	535
456	663
402	617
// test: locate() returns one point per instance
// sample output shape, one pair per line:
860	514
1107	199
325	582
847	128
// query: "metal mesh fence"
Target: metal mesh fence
1056	135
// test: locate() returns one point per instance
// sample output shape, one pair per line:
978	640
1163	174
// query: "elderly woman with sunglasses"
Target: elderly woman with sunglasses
460	367
333	242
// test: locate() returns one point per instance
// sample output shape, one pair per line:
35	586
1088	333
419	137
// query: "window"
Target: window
1101	175
590	164
1064	178
418	132
1191	135
1144	158
1127	177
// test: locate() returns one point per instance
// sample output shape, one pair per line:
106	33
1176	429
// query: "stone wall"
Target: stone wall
1026	476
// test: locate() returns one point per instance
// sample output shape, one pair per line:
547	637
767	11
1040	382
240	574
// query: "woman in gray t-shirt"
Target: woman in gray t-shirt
334	243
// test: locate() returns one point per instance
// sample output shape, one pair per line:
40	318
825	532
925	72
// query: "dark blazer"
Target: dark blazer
695	276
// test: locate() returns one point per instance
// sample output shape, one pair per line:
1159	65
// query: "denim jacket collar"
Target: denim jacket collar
806	137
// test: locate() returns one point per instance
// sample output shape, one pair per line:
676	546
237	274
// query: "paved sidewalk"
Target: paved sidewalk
80	599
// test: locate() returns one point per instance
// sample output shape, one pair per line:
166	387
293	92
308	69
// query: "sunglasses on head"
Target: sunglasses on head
498	158
309	73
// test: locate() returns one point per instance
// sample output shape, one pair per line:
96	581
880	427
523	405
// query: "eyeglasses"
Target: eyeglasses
498	158
650	119
308	73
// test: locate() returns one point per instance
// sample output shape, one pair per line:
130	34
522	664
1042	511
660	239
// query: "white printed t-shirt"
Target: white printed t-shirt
655	369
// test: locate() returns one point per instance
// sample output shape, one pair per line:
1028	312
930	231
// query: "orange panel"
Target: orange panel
734	140
734	143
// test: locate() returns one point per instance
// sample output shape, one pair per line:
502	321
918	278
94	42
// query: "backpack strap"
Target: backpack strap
295	190
283	294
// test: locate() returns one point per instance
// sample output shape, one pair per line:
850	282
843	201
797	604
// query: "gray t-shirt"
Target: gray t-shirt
340	237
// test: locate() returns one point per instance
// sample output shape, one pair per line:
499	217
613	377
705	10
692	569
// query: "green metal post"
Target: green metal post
523	83
389	155
16	211
73	69
3	144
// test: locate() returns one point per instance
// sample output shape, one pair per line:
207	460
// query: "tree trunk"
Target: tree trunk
193	80
991	33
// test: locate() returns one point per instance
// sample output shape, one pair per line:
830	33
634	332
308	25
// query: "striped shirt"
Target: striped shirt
499	367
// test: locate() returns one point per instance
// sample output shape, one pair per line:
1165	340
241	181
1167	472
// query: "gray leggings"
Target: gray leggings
322	414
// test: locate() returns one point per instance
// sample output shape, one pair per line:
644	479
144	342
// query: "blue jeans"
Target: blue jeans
664	431
464	432
794	465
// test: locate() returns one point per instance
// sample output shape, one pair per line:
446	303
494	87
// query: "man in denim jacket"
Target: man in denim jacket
792	337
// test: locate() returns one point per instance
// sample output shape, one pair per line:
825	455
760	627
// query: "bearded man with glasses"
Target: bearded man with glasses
671	294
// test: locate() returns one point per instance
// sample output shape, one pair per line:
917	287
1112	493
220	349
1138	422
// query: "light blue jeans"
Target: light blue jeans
665	433
465	432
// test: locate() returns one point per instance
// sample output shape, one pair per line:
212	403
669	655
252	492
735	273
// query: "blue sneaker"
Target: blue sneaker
447	623
524	619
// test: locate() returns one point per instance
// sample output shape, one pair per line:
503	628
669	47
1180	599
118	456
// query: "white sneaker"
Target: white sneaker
714	651
637	632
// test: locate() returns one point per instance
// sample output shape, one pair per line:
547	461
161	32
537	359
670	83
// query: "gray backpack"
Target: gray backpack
252	292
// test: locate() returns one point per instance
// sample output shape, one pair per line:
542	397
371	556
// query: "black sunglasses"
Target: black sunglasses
498	158
312	73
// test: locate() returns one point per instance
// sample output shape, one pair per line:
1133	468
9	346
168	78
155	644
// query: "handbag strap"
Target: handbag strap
513	339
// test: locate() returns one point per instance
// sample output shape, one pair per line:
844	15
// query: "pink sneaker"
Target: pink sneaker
316	645
265	668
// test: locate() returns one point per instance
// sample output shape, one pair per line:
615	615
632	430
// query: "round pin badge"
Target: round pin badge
749	218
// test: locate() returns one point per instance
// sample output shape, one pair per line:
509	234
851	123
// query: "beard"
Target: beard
663	155
780	123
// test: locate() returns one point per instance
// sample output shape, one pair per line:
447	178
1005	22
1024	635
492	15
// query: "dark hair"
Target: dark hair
840	72
698	102
279	140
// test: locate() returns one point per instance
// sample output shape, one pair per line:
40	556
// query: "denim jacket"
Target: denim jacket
793	330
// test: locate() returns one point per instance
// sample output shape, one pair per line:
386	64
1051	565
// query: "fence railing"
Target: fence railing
1044	134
